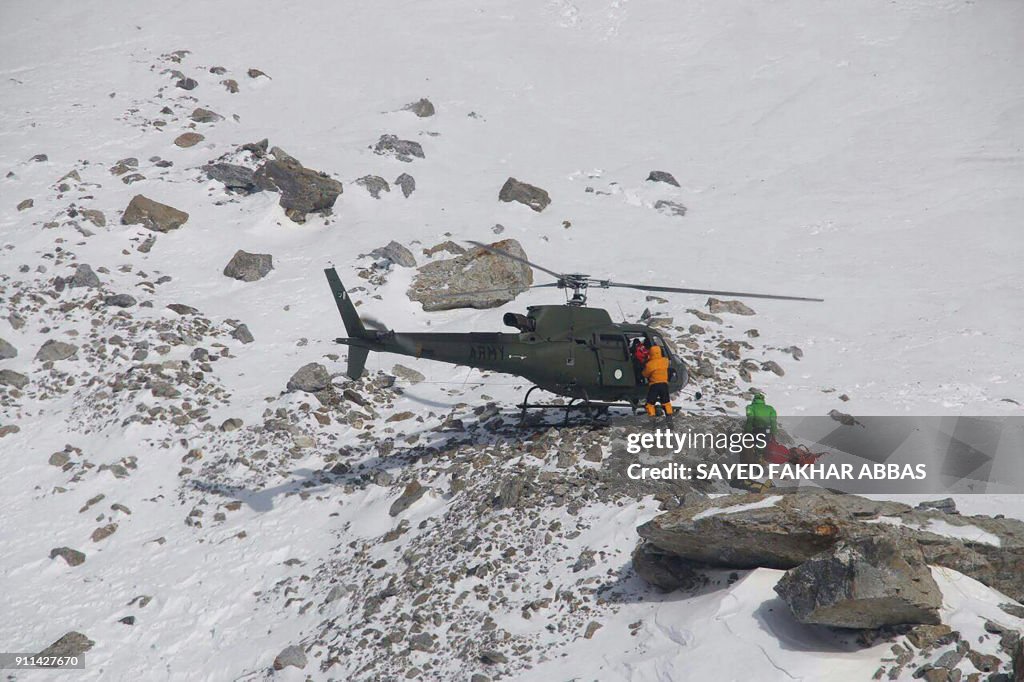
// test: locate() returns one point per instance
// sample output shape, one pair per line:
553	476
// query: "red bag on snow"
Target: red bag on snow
777	453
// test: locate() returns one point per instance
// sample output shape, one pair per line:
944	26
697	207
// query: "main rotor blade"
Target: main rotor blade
711	292
500	290
506	254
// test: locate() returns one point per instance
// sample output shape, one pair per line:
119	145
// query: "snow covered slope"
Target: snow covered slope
869	153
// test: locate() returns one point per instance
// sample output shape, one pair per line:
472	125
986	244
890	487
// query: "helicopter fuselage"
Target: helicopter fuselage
572	351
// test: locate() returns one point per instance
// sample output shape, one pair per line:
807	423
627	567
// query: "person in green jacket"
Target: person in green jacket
761	417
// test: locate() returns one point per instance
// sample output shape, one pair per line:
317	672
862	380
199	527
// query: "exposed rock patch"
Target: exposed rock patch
303	190
153	215
310	378
525	193
662	176
249	267
477	279
403	150
422	108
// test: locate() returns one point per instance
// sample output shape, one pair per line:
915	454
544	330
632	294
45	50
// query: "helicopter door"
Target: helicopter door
616	368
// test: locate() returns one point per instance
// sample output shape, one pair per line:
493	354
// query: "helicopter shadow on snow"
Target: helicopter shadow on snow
370	463
772	615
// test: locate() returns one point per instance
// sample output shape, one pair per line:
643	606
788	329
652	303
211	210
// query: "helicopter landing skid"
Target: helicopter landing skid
593	409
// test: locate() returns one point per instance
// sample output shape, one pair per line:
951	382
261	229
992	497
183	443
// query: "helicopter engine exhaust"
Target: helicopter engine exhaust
520	322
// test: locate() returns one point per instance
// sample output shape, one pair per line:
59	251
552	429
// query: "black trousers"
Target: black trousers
658	393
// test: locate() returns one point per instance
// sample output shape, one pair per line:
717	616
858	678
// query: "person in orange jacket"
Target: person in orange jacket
656	373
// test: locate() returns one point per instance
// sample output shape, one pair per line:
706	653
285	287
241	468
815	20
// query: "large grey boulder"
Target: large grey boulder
863	583
8	377
422	108
374	184
403	150
525	193
53	350
293	656
303	190
235	178
249	267
84	277
662	176
310	378
7	351
153	215
396	253
71	644
407	183
476	279
782	531
200	115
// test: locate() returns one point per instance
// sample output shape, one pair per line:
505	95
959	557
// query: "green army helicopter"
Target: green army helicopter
568	350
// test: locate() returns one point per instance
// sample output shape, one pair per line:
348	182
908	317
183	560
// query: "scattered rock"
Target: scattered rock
256	73
249	267
242	333
8	377
153	215
403	150
230	84
864	583
53	350
410	375
946	505
473	280
670	207
72	556
735	307
119	301
310	378
26	204
290	656
124	166
71	644
407	183
187	84
83	277
39	158
423	108
931	636
303	190
190	139
94	216
374	184
7	351
664	570
231	424
592	627
104	532
843	418
200	115
235	178
396	253
662	176
182	309
529	195
412	493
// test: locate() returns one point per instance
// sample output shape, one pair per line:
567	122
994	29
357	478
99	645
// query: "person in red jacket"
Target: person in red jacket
640	353
656	373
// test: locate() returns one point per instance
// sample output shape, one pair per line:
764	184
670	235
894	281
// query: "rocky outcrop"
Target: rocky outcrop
403	150
52	351
310	378
525	193
235	178
83	277
785	530
422	108
476	279
717	307
303	190
7	351
864	583
71	644
8	377
374	184
407	183
395	253
153	215
662	176
293	656
249	267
